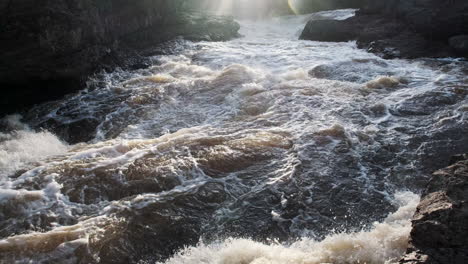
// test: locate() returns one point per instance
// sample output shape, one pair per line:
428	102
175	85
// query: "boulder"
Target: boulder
440	230
328	30
401	29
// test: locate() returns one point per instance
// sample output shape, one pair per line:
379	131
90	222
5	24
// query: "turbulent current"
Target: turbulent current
263	149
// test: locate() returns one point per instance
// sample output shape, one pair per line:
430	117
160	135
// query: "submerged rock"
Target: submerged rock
440	230
49	48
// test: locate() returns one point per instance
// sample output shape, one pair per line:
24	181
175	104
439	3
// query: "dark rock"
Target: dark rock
440	232
460	44
81	130
389	38
49	48
328	30
426	103
433	18
154	229
401	29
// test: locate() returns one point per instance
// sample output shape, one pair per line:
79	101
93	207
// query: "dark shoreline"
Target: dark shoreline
414	29
50	49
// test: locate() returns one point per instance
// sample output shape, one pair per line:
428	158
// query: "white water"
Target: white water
300	139
383	243
23	147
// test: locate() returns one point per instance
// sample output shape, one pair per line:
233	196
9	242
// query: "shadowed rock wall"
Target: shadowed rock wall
50	47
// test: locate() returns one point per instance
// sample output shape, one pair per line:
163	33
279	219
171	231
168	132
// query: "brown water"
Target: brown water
264	149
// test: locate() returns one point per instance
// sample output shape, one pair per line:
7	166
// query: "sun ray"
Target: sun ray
293	6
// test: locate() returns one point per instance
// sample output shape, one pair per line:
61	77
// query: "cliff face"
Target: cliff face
50	47
440	229
405	29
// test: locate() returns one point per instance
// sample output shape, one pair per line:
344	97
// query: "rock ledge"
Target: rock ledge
440	224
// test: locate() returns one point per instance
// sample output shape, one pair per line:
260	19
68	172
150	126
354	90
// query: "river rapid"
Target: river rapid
263	150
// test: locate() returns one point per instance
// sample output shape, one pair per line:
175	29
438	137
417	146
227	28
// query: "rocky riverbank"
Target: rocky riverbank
50	48
440	230
414	29
401	29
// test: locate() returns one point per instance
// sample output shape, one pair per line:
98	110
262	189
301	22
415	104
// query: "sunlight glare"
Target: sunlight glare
293	6
248	8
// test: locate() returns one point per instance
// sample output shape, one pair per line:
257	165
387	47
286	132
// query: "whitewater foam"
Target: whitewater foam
385	242
261	137
383	82
22	147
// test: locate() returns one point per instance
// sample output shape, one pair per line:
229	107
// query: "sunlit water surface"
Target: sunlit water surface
263	149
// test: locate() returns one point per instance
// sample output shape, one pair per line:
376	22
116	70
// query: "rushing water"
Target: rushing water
264	149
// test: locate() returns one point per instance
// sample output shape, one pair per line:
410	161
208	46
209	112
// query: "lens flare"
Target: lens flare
293	6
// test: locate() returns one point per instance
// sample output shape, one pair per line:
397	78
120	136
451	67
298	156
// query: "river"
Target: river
263	149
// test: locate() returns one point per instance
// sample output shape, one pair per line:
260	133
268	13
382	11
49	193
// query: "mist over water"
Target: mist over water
264	149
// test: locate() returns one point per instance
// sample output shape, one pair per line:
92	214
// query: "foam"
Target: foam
25	147
385	242
383	82
13	122
34	243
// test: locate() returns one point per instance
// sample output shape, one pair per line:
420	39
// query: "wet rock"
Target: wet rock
328	30
389	38
460	44
440	233
82	130
378	110
400	29
426	103
154	229
404	44
145	175
321	72
140	229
